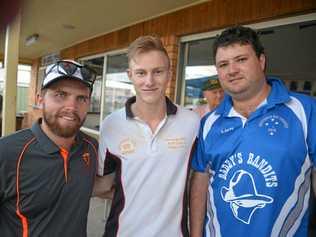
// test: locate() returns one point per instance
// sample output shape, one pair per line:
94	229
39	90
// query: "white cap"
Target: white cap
54	73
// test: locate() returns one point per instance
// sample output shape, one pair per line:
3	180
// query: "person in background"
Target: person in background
149	142
47	172
213	94
256	152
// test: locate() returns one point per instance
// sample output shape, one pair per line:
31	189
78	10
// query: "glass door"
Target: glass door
197	67
118	87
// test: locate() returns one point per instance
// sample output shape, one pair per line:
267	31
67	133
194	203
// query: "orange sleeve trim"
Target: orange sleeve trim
64	154
95	151
23	218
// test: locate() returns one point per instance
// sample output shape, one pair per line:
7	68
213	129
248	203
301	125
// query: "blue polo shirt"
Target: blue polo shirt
260	167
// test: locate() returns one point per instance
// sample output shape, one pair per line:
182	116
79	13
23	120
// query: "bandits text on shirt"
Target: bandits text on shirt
251	159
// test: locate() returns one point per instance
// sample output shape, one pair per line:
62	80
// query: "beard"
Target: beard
65	131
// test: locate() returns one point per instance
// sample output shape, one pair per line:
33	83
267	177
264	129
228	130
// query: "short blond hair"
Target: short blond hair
145	44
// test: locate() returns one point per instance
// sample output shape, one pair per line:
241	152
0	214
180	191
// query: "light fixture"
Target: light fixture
31	39
68	27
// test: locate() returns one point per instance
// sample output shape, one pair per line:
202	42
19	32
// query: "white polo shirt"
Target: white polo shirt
151	171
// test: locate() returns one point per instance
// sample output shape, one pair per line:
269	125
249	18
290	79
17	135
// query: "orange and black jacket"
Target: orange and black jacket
45	190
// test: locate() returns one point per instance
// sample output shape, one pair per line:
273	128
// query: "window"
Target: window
307	86
111	89
293	86
198	67
24	78
118	87
289	45
93	117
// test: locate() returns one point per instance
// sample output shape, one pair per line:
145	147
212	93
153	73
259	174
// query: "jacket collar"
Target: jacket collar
46	143
279	94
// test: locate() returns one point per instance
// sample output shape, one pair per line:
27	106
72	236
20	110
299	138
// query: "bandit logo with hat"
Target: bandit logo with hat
243	196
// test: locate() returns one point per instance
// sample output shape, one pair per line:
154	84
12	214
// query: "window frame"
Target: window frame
102	104
185	40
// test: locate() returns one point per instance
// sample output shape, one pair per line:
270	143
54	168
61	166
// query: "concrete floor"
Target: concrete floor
96	219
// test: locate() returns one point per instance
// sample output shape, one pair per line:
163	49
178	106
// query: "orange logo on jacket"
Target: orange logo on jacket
86	158
127	146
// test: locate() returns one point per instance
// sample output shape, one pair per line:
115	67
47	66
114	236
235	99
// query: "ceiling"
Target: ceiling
61	23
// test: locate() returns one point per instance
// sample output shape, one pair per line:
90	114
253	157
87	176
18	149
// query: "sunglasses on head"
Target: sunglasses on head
68	68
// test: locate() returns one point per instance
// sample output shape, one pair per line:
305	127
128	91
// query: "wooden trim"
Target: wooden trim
208	16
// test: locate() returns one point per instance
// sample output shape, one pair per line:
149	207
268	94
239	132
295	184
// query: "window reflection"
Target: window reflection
118	87
195	76
307	87
23	83
93	117
293	86
299	75
198	69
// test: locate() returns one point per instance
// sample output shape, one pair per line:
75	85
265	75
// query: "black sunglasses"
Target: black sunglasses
69	68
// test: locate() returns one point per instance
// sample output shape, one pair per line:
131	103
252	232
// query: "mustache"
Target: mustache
69	114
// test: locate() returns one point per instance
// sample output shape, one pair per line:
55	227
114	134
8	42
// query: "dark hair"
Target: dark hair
238	34
144	44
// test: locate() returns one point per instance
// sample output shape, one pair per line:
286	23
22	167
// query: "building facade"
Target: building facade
187	35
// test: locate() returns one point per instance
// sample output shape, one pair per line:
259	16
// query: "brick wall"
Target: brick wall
171	44
207	16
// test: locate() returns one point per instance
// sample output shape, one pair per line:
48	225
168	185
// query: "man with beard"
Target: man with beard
256	152
47	172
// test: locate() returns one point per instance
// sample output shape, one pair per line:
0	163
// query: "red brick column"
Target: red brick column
171	43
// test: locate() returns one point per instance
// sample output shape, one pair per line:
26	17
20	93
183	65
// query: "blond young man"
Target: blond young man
149	142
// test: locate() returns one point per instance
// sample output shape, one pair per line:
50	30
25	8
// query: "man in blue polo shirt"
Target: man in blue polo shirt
256	152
